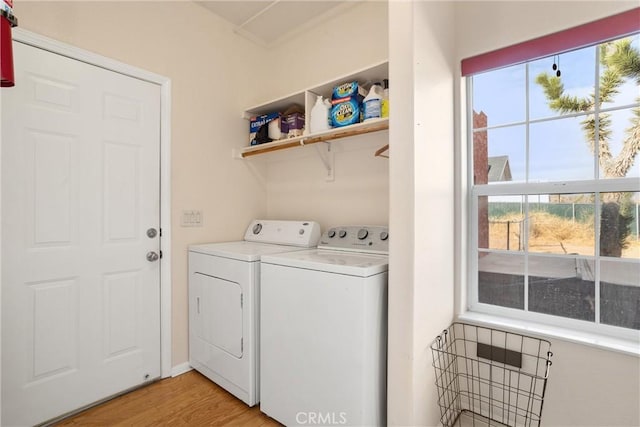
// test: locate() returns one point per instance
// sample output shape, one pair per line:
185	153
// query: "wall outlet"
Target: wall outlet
191	218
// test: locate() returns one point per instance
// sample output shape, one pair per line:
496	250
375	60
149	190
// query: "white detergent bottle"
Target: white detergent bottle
319	116
372	102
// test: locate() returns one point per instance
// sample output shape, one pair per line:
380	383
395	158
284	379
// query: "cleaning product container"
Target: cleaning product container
373	102
319	116
385	99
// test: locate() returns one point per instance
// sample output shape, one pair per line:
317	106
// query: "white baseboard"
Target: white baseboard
180	369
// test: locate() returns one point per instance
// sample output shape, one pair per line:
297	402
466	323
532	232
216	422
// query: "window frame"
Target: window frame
596	186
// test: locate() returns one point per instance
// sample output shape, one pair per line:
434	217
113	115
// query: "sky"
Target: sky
558	148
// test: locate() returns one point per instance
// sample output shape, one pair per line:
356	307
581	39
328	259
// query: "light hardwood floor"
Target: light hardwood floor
186	400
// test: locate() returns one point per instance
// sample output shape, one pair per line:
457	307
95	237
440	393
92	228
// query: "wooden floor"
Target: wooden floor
186	400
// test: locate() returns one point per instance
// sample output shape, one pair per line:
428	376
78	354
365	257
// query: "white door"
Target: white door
80	189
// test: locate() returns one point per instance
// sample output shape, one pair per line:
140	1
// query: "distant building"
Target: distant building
498	169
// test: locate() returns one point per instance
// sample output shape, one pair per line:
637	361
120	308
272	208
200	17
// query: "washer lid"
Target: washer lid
348	263
242	250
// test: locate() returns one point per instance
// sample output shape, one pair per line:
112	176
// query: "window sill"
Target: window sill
579	337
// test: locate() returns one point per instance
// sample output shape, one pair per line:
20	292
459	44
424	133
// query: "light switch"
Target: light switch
191	218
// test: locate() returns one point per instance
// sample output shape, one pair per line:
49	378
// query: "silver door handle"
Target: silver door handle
152	256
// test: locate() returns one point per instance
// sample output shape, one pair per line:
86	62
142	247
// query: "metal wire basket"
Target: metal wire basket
488	377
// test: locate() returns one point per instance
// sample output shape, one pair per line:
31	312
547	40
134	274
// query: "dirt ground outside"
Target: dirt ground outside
550	234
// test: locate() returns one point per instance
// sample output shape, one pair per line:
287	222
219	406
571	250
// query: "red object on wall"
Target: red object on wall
6	54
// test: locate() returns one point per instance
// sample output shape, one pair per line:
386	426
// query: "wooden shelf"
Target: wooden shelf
307	98
375	125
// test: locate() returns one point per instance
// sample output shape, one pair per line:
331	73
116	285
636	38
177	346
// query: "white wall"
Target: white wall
587	386
351	39
209	67
421	281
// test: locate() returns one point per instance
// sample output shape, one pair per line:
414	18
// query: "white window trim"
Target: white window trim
629	347
595	334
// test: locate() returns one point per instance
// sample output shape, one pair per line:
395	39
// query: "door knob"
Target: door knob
152	232
152	256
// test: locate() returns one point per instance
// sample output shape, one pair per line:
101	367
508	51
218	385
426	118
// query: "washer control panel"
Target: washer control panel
356	238
294	233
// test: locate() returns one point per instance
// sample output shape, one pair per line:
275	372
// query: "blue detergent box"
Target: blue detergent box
345	112
348	90
346	108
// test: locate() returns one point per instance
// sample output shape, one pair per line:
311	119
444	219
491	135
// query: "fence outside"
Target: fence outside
579	212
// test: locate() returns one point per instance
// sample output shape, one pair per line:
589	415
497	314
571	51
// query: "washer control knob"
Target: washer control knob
331	233
257	228
301	231
384	235
342	234
362	233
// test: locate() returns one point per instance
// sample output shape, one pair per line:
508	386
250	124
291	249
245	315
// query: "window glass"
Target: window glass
499	155
620	293
618	84
501	226
618	136
562	286
562	224
559	151
501	279
619	225
572	92
499	95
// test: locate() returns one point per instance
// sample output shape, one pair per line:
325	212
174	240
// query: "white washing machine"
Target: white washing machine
224	295
324	331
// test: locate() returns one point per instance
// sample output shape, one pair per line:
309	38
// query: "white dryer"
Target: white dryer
224	295
324	331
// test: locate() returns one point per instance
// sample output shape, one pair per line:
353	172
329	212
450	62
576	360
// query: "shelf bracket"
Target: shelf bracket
328	161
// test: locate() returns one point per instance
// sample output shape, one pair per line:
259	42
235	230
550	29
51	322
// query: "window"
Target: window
554	147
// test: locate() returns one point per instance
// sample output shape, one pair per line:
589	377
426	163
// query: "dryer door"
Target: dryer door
219	313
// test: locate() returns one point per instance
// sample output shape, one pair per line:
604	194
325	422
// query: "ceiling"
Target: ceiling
269	23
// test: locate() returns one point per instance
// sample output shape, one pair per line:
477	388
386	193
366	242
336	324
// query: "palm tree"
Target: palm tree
620	60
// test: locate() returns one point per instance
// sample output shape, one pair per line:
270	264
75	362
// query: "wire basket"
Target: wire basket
488	377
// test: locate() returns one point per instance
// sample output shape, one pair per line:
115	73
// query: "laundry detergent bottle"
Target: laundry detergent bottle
385	99
319	116
372	103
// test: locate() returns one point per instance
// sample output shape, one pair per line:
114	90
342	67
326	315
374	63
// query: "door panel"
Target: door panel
54	329
220	313
80	186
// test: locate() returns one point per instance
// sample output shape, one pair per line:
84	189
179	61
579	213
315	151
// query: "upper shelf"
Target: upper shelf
374	125
307	98
365	76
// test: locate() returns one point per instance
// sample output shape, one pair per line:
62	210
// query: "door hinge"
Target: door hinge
160	254
241	345
241	300
160	232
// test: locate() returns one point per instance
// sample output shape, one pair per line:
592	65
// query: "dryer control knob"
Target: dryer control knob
384	235
362	233
301	231
342	234
257	228
331	233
